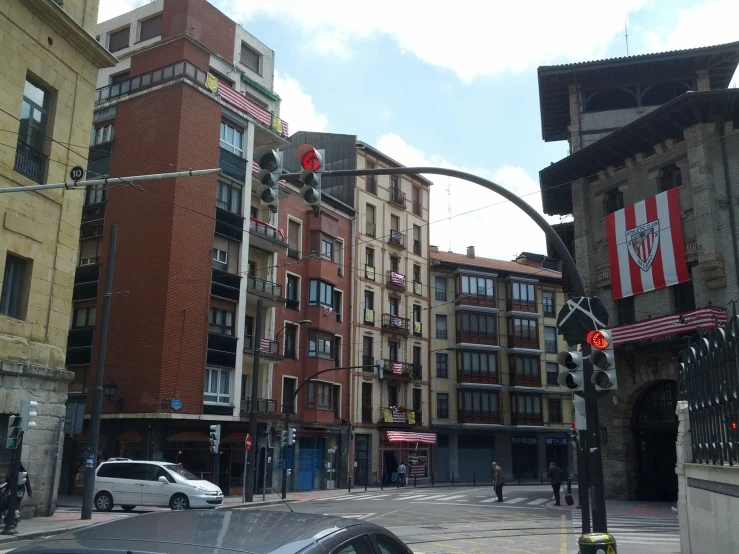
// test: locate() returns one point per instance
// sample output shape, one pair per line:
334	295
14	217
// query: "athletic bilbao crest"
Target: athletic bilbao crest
643	242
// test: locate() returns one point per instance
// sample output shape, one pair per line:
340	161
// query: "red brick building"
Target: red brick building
315	334
192	89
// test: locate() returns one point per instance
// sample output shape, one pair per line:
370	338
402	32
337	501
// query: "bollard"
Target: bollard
452	478
382	483
415	481
569	485
397	480
474	478
365	485
349	483
597	543
433	479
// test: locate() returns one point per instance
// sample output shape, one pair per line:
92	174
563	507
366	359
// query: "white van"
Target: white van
132	483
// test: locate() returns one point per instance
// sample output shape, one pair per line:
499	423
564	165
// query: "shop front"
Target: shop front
557	452
524	453
411	449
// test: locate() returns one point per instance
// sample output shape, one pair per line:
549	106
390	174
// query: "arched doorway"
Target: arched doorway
654	425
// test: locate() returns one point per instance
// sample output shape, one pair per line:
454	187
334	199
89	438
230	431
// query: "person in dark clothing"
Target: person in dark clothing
498	481
21	493
556	476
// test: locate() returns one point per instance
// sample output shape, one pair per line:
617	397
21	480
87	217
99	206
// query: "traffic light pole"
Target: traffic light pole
10	525
593	453
583	481
251	455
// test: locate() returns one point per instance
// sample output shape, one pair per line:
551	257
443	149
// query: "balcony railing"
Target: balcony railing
29	162
263	229
395	323
440	295
395	280
264	405
400	370
417	371
464	416
485	300
441	334
369	228
472	376
417	247
550	346
516	341
293	304
397	196
525	380
417	207
394	415
267	287
396	238
293	253
369	363
268	346
366	414
521	305
369	317
471	336
527	419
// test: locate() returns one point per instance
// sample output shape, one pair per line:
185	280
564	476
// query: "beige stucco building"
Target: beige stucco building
48	74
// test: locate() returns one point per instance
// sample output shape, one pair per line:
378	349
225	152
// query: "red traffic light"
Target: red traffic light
574	426
310	159
599	340
733	425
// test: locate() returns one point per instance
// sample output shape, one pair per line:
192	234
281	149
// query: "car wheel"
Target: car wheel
128	508
103	502
179	502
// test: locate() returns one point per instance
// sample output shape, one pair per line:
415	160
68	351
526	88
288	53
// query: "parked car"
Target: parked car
225	532
132	483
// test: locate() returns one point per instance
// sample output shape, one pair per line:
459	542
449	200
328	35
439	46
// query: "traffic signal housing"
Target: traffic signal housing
311	163
28	414
603	359
14	432
22	478
215	438
270	172
291	436
571	375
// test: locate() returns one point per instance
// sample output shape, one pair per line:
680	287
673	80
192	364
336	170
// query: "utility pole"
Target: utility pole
97	398
595	467
251	456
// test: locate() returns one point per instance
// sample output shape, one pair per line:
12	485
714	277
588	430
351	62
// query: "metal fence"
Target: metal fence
708	375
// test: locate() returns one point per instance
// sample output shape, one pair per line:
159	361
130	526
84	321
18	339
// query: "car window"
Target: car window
358	545
109	470
162	473
133	471
389	545
151	472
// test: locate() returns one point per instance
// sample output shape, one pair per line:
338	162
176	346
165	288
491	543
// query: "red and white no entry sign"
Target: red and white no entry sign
247	442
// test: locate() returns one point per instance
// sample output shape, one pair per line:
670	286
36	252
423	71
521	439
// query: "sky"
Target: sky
454	85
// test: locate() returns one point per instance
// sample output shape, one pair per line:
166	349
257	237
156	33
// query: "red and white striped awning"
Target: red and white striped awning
664	326
407	436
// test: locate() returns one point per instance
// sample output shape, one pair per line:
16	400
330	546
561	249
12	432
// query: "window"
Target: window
229	197
371	180
614	201
523	332
416	315
547	300
83	317
151	28
525	406
523	295
442	365
321	293
89	252
120	77
482	287
293	239
441	326
526	371
478	366
683	296
119	39
625	312
394	223
552	374
476	325
417	206
288	395
389	545
324	393
416	273
417	240
250	58
367	354
369	256
550	340
442	405
292	292
394	306
327	249
102	134
217	385
29	157
366	402
394	264
221	321
440	288
291	341
338	297
360	545
14	287
392	395
670	177
95	194
369	212
220	259
393	348
555	410
477	404
369	300
320	345
394	183
232	139
417	405
339	252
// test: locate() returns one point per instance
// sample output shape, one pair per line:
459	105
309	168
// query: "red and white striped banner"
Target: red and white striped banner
645	246
664	326
398	368
243	103
264	345
407	436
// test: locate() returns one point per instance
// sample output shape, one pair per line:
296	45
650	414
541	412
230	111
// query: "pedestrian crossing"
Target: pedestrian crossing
662	534
534	500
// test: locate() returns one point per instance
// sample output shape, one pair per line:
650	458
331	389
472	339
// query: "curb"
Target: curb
4	539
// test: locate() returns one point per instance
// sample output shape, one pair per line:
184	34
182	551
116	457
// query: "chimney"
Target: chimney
433	248
470	251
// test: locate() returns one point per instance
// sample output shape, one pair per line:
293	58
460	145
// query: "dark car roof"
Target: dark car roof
213	531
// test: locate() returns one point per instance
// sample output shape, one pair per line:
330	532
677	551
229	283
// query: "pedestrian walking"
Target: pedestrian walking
21	493
4	493
401	473
498	481
556	476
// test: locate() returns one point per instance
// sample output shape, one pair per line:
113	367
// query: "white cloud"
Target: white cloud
469	37
498	230
297	106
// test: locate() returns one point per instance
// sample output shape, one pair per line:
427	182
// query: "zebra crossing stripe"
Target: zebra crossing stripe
453	497
493	499
515	500
433	497
411	497
373	497
537	501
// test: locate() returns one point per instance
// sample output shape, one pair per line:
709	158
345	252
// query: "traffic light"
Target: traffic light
269	176
28	414
14	432
603	359
311	163
571	377
380	369
290	436
581	423
215	438
283	438
22	478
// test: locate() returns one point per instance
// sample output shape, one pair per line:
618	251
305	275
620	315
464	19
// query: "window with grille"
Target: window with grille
221	321
217	385
14	286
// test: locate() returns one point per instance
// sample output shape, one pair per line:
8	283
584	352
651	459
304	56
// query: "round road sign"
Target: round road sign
76	173
247	442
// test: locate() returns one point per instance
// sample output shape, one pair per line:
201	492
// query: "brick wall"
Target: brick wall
201	20
168	53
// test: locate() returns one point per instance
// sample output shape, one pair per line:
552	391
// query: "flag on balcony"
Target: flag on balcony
398	368
407	436
397	279
645	246
327	310
264	345
671	324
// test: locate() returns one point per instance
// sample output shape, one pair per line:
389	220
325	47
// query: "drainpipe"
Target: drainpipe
730	199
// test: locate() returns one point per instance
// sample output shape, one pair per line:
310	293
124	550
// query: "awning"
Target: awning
408	436
672	324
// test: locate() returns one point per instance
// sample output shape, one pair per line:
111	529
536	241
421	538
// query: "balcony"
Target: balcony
441	334
98	159
395	280
417	329
400	370
264	406
525	380
514	305
86	282
481	300
221	350
370	228
396	238
266	237
393	417
464	416
229	224
369	317
29	163
293	253
369	272
369	363
417	371
550	346
518	341
417	207
232	165
367	414
395	323
270	293
269	348
417	247
477	338
179	70
397	197
476	376
223	284
440	295
526	419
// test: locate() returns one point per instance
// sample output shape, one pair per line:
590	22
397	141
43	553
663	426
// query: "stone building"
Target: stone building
48	70
638	127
